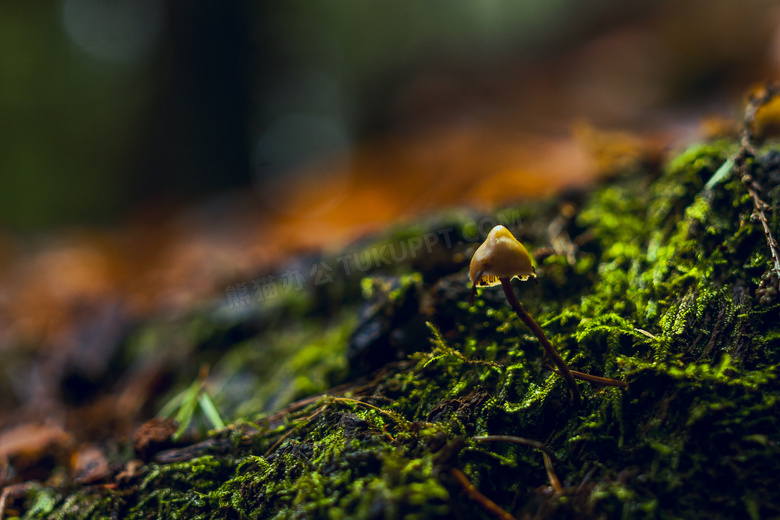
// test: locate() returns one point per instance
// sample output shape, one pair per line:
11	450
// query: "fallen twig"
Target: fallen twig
549	456
13	491
486	504
294	428
553	478
749	151
596	380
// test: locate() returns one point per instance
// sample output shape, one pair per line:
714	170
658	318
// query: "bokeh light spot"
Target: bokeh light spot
113	30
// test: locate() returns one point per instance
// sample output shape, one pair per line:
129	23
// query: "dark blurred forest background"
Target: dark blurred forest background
159	148
109	107
153	152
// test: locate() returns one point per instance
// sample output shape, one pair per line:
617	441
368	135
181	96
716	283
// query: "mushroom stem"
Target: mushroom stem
539	333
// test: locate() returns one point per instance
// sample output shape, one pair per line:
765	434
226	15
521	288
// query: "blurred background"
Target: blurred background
145	133
114	107
153	152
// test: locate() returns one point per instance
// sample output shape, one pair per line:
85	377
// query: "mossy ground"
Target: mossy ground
661	294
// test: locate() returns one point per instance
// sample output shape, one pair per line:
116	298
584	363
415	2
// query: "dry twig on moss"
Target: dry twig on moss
745	156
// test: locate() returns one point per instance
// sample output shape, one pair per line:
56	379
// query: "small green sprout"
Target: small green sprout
191	402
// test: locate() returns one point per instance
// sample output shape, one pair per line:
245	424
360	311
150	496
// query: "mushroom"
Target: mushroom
501	255
499	259
496	262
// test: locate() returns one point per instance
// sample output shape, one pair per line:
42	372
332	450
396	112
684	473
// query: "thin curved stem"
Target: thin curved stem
486	504
596	380
548	455
574	391
519	440
555	482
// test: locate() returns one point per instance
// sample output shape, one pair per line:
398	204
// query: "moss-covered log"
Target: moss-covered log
650	279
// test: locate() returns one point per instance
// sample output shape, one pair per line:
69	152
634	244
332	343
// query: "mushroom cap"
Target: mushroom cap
501	255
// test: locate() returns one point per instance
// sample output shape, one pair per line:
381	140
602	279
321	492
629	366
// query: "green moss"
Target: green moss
662	297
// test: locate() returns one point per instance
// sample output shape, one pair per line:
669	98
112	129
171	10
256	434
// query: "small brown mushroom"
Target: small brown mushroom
496	262
501	255
499	259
